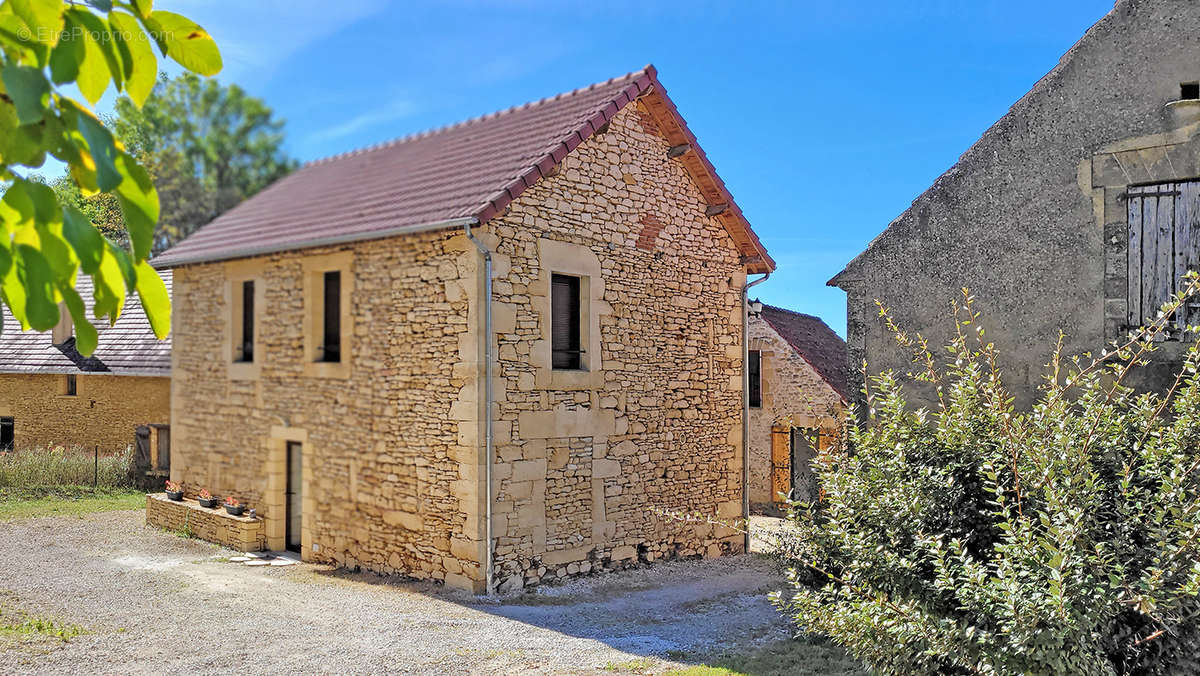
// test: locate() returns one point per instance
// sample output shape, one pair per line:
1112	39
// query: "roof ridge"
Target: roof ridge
632	75
792	312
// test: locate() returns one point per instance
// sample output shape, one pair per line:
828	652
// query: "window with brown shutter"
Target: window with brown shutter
1164	243
755	373
331	349
564	322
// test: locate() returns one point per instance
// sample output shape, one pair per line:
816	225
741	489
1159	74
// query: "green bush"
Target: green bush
64	466
973	538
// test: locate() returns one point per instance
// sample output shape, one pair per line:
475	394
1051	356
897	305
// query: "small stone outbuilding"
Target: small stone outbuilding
50	395
1079	210
797	397
332	347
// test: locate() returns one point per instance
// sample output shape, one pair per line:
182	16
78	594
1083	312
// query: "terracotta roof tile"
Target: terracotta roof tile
440	178
813	340
128	347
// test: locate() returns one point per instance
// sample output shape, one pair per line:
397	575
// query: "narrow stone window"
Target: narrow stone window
244	325
331	346
565	343
755	372
1189	91
7	434
69	385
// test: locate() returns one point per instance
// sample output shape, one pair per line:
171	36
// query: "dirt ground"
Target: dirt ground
150	601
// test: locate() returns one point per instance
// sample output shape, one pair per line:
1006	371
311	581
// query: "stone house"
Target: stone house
335	336
1074	211
52	395
797	398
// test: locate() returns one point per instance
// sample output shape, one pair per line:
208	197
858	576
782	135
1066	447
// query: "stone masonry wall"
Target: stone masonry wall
104	412
384	486
586	458
792	393
241	533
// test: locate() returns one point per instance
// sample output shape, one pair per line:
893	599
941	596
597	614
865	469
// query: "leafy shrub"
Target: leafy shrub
64	466
973	538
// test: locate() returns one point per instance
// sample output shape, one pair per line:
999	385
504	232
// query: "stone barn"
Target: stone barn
546	301
797	400
50	395
1077	210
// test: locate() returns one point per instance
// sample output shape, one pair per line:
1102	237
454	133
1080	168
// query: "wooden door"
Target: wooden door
294	497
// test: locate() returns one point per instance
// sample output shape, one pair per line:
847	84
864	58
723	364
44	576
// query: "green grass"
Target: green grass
24	503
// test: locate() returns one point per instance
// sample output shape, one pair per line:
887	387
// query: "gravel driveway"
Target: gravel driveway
155	602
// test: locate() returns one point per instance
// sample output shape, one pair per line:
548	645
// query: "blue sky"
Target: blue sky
825	118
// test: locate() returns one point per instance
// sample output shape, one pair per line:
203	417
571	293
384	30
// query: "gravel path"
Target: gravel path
155	602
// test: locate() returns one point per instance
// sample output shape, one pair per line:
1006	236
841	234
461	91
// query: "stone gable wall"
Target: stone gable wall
105	411
792	393
586	459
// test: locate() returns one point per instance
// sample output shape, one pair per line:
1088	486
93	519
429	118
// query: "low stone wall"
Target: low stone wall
242	533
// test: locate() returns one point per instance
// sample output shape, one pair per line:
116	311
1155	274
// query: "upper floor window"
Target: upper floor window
331	341
243	317
565	344
1164	243
754	368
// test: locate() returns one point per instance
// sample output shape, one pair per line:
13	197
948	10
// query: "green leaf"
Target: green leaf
139	205
41	310
28	89
43	17
84	238
16	208
94	75
108	285
67	56
141	66
19	145
102	5
86	337
101	147
15	296
155	299
185	42
98	35
143	7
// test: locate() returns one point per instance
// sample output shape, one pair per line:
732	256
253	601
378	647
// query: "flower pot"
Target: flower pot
177	496
236	511
207	503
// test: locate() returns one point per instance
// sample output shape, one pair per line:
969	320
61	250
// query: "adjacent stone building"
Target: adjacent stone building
50	395
797	399
1075	211
335	336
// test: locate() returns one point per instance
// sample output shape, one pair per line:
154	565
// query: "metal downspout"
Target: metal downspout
488	396
746	407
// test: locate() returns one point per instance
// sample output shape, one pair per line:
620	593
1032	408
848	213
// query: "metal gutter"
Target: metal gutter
488	397
317	241
746	407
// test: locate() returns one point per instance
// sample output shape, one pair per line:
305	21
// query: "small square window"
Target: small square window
1189	91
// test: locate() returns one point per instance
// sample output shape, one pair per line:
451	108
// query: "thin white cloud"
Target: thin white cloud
395	110
256	37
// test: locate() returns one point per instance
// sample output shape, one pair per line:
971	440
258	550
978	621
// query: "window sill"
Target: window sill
244	370
327	369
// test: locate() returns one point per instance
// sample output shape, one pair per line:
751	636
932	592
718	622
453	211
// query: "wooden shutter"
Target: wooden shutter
564	322
755	368
248	321
1164	243
332	341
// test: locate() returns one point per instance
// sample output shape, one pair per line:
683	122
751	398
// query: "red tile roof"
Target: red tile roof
815	342
467	172
128	347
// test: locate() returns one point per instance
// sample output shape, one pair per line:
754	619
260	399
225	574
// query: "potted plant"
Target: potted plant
174	491
233	506
206	499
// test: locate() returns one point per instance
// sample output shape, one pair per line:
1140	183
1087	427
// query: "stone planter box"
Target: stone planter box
242	533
